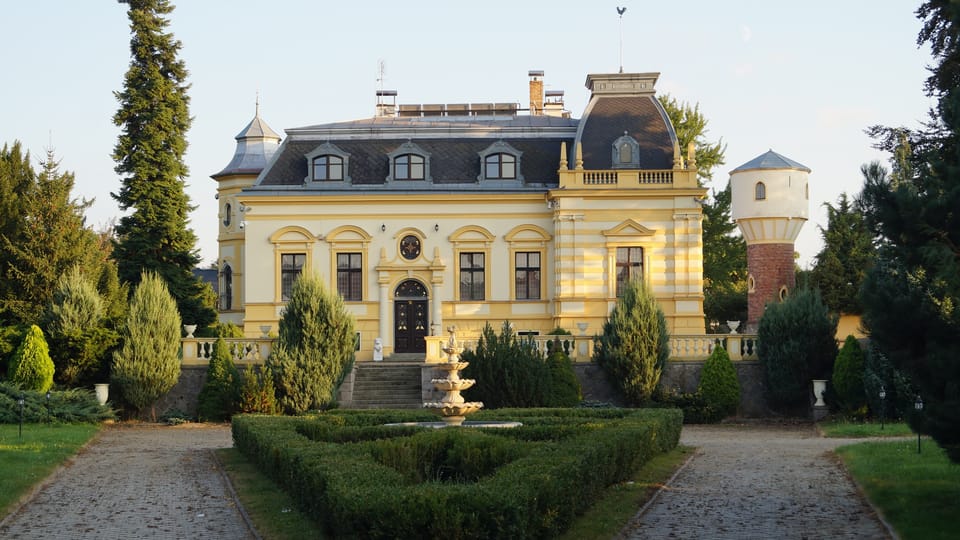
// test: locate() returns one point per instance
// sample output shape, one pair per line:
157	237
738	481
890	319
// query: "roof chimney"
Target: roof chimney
386	103
536	92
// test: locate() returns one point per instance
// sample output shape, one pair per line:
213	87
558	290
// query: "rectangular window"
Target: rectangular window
527	275
629	266
350	276
472	276
291	266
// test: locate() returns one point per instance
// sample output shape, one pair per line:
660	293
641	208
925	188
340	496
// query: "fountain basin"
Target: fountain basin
450	385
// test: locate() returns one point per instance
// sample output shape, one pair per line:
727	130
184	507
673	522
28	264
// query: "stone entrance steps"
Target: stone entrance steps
387	385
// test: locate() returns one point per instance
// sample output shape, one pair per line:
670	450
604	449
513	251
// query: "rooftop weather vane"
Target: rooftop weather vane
621	11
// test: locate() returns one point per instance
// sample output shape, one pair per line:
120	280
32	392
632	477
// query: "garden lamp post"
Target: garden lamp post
883	396
918	406
20	402
48	405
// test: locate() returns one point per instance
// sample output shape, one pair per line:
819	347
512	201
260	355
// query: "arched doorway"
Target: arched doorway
410	317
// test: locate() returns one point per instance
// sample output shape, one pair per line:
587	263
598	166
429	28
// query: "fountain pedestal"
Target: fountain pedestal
452	408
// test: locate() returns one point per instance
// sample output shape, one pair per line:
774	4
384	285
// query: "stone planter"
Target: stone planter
103	392
819	387
189	329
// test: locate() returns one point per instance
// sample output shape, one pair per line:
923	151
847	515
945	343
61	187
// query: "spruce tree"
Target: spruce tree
847	253
314	348
220	394
848	376
719	384
634	346
153	120
914	214
31	366
147	365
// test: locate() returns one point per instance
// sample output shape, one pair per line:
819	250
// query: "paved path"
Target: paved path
137	482
758	482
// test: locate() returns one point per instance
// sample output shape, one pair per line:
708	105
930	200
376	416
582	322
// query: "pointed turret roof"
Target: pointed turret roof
771	160
256	144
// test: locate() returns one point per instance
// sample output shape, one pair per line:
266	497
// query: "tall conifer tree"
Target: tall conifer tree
154	119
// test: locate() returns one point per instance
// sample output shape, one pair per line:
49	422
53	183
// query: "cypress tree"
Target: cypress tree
719	385
31	366
314	349
634	346
221	392
153	120
147	365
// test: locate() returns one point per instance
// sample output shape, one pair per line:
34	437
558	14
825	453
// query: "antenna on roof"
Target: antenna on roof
621	11
381	73
257	109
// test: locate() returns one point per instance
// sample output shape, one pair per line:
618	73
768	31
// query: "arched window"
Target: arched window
226	295
408	167
500	166
760	191
328	167
227	210
626	153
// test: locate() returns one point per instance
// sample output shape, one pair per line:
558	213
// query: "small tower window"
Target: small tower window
760	191
227	210
226	296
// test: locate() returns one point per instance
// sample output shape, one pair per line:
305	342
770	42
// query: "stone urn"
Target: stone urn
819	387
189	329
103	392
733	325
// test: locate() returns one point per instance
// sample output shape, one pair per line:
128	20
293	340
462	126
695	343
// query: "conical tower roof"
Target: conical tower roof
770	160
256	144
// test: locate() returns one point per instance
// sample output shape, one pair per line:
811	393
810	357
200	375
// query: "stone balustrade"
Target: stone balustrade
246	351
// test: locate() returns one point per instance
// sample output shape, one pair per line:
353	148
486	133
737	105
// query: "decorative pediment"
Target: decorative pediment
472	234
528	233
628	228
292	234
348	234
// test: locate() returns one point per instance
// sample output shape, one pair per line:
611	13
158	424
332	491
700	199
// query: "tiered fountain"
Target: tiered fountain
452	408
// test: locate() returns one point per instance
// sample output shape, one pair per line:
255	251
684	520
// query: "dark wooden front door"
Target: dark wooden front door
410	316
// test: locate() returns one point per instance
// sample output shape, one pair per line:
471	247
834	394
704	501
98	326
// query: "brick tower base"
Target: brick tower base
771	268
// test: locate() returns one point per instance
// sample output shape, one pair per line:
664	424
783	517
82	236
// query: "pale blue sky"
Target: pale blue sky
802	78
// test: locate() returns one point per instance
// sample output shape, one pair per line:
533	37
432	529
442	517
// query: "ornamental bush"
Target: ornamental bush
314	349
796	344
221	391
147	365
563	388
31	367
257	393
719	385
634	346
510	372
848	376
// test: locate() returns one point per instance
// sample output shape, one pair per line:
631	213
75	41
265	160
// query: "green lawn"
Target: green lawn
854	429
25	462
277	518
918	494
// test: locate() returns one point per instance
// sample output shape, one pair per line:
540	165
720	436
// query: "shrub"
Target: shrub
314	350
563	389
695	408
218	398
634	346
75	322
257	393
31	367
848	376
879	372
510	372
796	344
68	406
147	365
719	385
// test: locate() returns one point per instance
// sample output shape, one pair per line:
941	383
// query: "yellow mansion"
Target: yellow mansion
426	216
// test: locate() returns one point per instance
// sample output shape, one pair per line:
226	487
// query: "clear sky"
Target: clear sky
801	78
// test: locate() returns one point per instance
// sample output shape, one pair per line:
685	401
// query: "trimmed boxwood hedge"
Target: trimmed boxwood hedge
361	479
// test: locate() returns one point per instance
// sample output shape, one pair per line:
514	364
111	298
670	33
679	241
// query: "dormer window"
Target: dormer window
500	161
327	163
408	167
500	166
625	153
760	191
328	167
409	162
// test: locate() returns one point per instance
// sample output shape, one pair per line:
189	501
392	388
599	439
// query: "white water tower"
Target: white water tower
770	199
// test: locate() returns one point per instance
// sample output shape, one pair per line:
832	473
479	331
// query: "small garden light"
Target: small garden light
918	406
883	396
20	402
48	405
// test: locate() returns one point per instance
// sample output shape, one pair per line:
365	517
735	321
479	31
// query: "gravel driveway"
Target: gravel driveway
137	482
748	481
